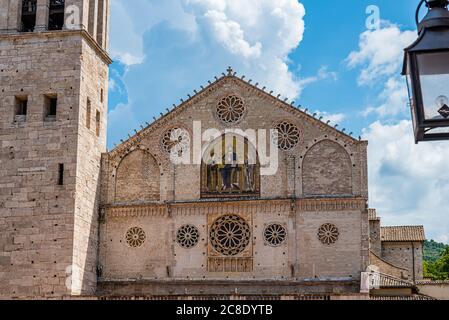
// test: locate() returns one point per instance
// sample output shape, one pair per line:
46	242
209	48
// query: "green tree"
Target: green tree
438	270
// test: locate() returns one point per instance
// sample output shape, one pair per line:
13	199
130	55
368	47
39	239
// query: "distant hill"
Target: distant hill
433	250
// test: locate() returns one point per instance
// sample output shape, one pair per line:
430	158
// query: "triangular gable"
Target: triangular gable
213	86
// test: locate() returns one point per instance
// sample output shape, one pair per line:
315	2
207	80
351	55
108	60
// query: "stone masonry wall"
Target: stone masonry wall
303	256
401	254
39	219
37	214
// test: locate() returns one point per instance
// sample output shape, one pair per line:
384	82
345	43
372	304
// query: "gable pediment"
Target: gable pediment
265	109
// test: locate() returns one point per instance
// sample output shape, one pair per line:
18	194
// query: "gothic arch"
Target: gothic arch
137	178
327	170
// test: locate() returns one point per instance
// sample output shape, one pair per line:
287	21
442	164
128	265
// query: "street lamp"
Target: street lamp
426	67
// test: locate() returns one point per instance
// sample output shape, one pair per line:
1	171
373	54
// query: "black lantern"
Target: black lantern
426	66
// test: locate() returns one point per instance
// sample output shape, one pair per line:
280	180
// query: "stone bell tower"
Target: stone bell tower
53	111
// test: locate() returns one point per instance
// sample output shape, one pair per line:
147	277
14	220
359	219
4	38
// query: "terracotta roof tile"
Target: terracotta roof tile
402	233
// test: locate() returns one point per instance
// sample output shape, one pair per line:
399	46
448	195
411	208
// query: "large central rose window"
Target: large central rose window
230	235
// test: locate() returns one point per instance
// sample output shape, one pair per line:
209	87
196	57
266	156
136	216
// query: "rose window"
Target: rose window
287	136
328	234
176	140
135	237
187	236
275	235
230	235
230	109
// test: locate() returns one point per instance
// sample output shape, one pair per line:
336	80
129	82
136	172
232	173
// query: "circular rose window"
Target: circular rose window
230	235
187	236
328	234
135	237
287	136
275	235
176	140
230	110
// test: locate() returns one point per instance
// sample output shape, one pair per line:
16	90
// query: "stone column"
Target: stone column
13	15
76	14
4	11
93	16
42	15
101	28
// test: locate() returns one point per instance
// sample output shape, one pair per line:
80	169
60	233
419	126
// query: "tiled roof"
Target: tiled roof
372	215
404	233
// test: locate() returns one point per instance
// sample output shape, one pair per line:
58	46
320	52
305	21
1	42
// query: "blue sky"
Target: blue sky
316	52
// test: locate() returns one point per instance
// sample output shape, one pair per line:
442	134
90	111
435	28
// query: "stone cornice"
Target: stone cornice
60	33
234	206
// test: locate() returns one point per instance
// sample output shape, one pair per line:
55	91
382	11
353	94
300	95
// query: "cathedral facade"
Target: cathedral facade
234	192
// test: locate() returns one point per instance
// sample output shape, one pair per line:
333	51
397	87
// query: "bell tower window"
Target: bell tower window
28	18
50	106
56	15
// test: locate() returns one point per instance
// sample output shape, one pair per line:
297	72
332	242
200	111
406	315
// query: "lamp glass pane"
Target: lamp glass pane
433	71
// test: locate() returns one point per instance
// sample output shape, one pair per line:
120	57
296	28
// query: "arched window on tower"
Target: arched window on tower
56	15
28	17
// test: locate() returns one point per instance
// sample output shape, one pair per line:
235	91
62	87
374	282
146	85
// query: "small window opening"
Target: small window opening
21	108
98	122
101	96
56	15
61	174
28	19
88	113
51	103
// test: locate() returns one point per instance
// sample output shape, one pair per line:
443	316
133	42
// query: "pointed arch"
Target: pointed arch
137	178
327	170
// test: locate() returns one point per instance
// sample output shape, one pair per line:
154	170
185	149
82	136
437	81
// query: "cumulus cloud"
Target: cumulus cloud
333	118
380	52
408	183
380	57
171	47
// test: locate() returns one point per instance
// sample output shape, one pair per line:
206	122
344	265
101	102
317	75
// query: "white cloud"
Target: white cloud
380	58
231	36
323	73
380	52
333	118
408	182
255	36
130	22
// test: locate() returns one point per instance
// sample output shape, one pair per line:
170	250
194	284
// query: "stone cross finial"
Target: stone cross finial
229	70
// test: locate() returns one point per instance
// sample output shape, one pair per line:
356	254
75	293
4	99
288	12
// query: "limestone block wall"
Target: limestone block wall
36	213
90	145
302	256
38	222
401	254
